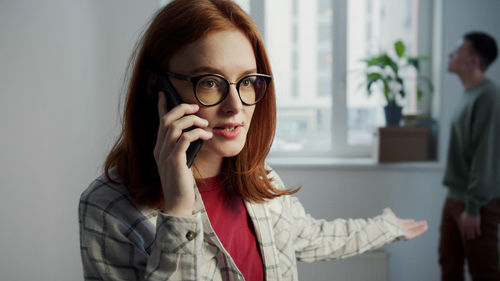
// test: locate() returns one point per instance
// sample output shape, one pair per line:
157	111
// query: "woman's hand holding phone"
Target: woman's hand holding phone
170	154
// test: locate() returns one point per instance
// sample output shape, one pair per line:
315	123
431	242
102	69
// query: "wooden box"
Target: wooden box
401	144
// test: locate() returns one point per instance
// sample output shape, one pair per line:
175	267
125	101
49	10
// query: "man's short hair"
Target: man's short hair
484	46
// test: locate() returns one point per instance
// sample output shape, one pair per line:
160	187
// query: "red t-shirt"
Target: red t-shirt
233	226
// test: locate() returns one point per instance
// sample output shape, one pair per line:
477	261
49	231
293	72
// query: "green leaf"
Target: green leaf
368	87
387	60
419	93
373	76
381	61
415	62
399	46
386	89
402	93
400	80
373	61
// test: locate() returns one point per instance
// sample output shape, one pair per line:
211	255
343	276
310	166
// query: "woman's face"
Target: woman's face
230	54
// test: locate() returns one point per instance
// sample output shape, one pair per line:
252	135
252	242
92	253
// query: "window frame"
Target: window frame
339	122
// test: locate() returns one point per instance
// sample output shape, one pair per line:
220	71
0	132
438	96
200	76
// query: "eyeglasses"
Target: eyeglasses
212	89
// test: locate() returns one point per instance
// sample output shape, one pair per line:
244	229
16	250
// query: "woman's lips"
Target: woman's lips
228	131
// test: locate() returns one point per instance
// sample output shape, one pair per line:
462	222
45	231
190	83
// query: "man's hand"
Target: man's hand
470	226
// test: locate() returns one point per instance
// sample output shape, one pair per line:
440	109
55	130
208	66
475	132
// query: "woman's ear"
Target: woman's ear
151	84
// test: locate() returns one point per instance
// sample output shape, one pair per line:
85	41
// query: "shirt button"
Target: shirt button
190	235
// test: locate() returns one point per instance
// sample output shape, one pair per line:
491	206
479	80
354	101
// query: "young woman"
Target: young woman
228	217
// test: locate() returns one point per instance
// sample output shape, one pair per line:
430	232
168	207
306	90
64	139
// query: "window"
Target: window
315	48
379	30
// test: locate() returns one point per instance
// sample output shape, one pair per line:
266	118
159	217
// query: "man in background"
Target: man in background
471	213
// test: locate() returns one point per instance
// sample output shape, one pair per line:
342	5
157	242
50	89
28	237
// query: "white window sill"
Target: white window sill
349	163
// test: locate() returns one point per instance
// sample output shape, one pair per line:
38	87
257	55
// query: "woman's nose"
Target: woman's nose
232	103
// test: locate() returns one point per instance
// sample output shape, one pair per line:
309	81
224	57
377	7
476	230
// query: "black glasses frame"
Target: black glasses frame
194	80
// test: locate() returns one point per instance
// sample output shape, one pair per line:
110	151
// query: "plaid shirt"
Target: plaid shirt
123	241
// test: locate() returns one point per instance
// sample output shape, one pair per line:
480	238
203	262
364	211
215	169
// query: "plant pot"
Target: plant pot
392	114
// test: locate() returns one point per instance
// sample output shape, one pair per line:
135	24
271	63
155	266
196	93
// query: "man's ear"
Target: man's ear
150	83
476	62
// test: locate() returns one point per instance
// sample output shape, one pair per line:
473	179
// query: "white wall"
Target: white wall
61	69
363	191
61	65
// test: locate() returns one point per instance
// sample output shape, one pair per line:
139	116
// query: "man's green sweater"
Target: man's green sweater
473	166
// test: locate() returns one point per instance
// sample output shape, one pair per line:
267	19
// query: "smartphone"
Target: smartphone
173	99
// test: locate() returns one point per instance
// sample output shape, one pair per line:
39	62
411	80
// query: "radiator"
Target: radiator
371	266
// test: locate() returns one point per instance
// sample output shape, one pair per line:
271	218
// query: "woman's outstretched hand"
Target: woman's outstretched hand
170	154
410	227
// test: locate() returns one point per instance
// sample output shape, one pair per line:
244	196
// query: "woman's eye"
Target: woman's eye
246	82
209	84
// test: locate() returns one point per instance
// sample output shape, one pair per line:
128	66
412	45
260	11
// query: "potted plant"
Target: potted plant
384	71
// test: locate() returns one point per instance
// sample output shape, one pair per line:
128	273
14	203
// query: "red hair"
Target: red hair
173	27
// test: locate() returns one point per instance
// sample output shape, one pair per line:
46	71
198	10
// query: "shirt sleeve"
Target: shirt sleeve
484	152
109	252
325	240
